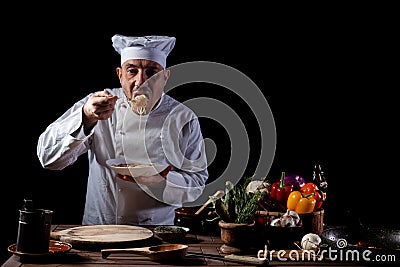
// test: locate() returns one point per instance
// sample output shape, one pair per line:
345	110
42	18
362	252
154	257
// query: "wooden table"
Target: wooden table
209	243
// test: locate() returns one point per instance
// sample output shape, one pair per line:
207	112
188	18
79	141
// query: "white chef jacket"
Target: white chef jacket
170	134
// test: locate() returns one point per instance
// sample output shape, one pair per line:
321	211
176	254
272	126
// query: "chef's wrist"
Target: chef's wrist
88	123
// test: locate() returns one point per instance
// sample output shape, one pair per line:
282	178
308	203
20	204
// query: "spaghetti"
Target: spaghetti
139	104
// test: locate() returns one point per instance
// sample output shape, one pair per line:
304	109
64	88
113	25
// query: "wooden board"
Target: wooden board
102	234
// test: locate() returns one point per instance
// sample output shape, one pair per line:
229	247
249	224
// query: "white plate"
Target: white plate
135	169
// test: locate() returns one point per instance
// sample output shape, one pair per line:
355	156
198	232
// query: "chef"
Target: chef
108	125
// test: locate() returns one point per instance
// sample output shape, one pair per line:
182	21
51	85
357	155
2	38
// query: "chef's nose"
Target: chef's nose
135	87
140	78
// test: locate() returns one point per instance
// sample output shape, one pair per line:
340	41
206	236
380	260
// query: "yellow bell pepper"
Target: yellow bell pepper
301	203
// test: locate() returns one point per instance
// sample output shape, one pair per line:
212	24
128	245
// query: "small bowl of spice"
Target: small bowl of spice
170	232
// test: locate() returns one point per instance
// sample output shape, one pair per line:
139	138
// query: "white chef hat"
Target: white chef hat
154	48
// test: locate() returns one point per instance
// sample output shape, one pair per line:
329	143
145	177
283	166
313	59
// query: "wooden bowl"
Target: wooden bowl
170	232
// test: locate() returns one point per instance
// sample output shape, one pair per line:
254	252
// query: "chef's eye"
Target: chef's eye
132	71
150	72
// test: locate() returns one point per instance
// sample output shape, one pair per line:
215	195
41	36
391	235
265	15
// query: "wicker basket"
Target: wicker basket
313	222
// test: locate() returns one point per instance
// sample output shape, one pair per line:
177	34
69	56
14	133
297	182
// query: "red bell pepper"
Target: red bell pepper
280	190
311	188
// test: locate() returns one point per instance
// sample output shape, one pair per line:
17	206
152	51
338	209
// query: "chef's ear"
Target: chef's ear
167	72
118	70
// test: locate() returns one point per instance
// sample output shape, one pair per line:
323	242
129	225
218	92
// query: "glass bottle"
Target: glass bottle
319	178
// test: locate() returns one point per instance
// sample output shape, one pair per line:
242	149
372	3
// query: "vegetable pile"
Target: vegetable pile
291	194
294	193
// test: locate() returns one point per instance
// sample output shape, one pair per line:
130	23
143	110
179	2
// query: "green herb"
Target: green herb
237	205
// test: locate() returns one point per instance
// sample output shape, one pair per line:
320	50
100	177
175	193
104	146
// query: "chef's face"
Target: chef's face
140	76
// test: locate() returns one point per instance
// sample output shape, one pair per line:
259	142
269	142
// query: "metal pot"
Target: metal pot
370	237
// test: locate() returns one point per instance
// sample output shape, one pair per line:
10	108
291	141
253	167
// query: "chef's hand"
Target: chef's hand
99	106
153	180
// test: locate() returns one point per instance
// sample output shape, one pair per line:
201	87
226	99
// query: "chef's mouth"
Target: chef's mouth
143	90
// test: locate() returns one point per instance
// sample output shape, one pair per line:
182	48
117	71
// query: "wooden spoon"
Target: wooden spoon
217	194
159	252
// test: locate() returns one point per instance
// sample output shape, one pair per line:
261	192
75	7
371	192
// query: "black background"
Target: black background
328	74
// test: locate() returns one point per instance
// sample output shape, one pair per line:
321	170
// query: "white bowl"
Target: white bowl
135	169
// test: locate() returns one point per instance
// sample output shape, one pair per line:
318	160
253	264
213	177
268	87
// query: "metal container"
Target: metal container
33	230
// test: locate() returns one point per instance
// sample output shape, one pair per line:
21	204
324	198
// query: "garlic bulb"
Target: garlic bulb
294	215
257	186
288	219
311	241
276	222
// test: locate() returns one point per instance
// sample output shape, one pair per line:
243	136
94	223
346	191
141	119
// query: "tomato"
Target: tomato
261	220
309	188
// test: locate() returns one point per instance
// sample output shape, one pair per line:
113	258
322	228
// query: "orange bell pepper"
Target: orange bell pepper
301	203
